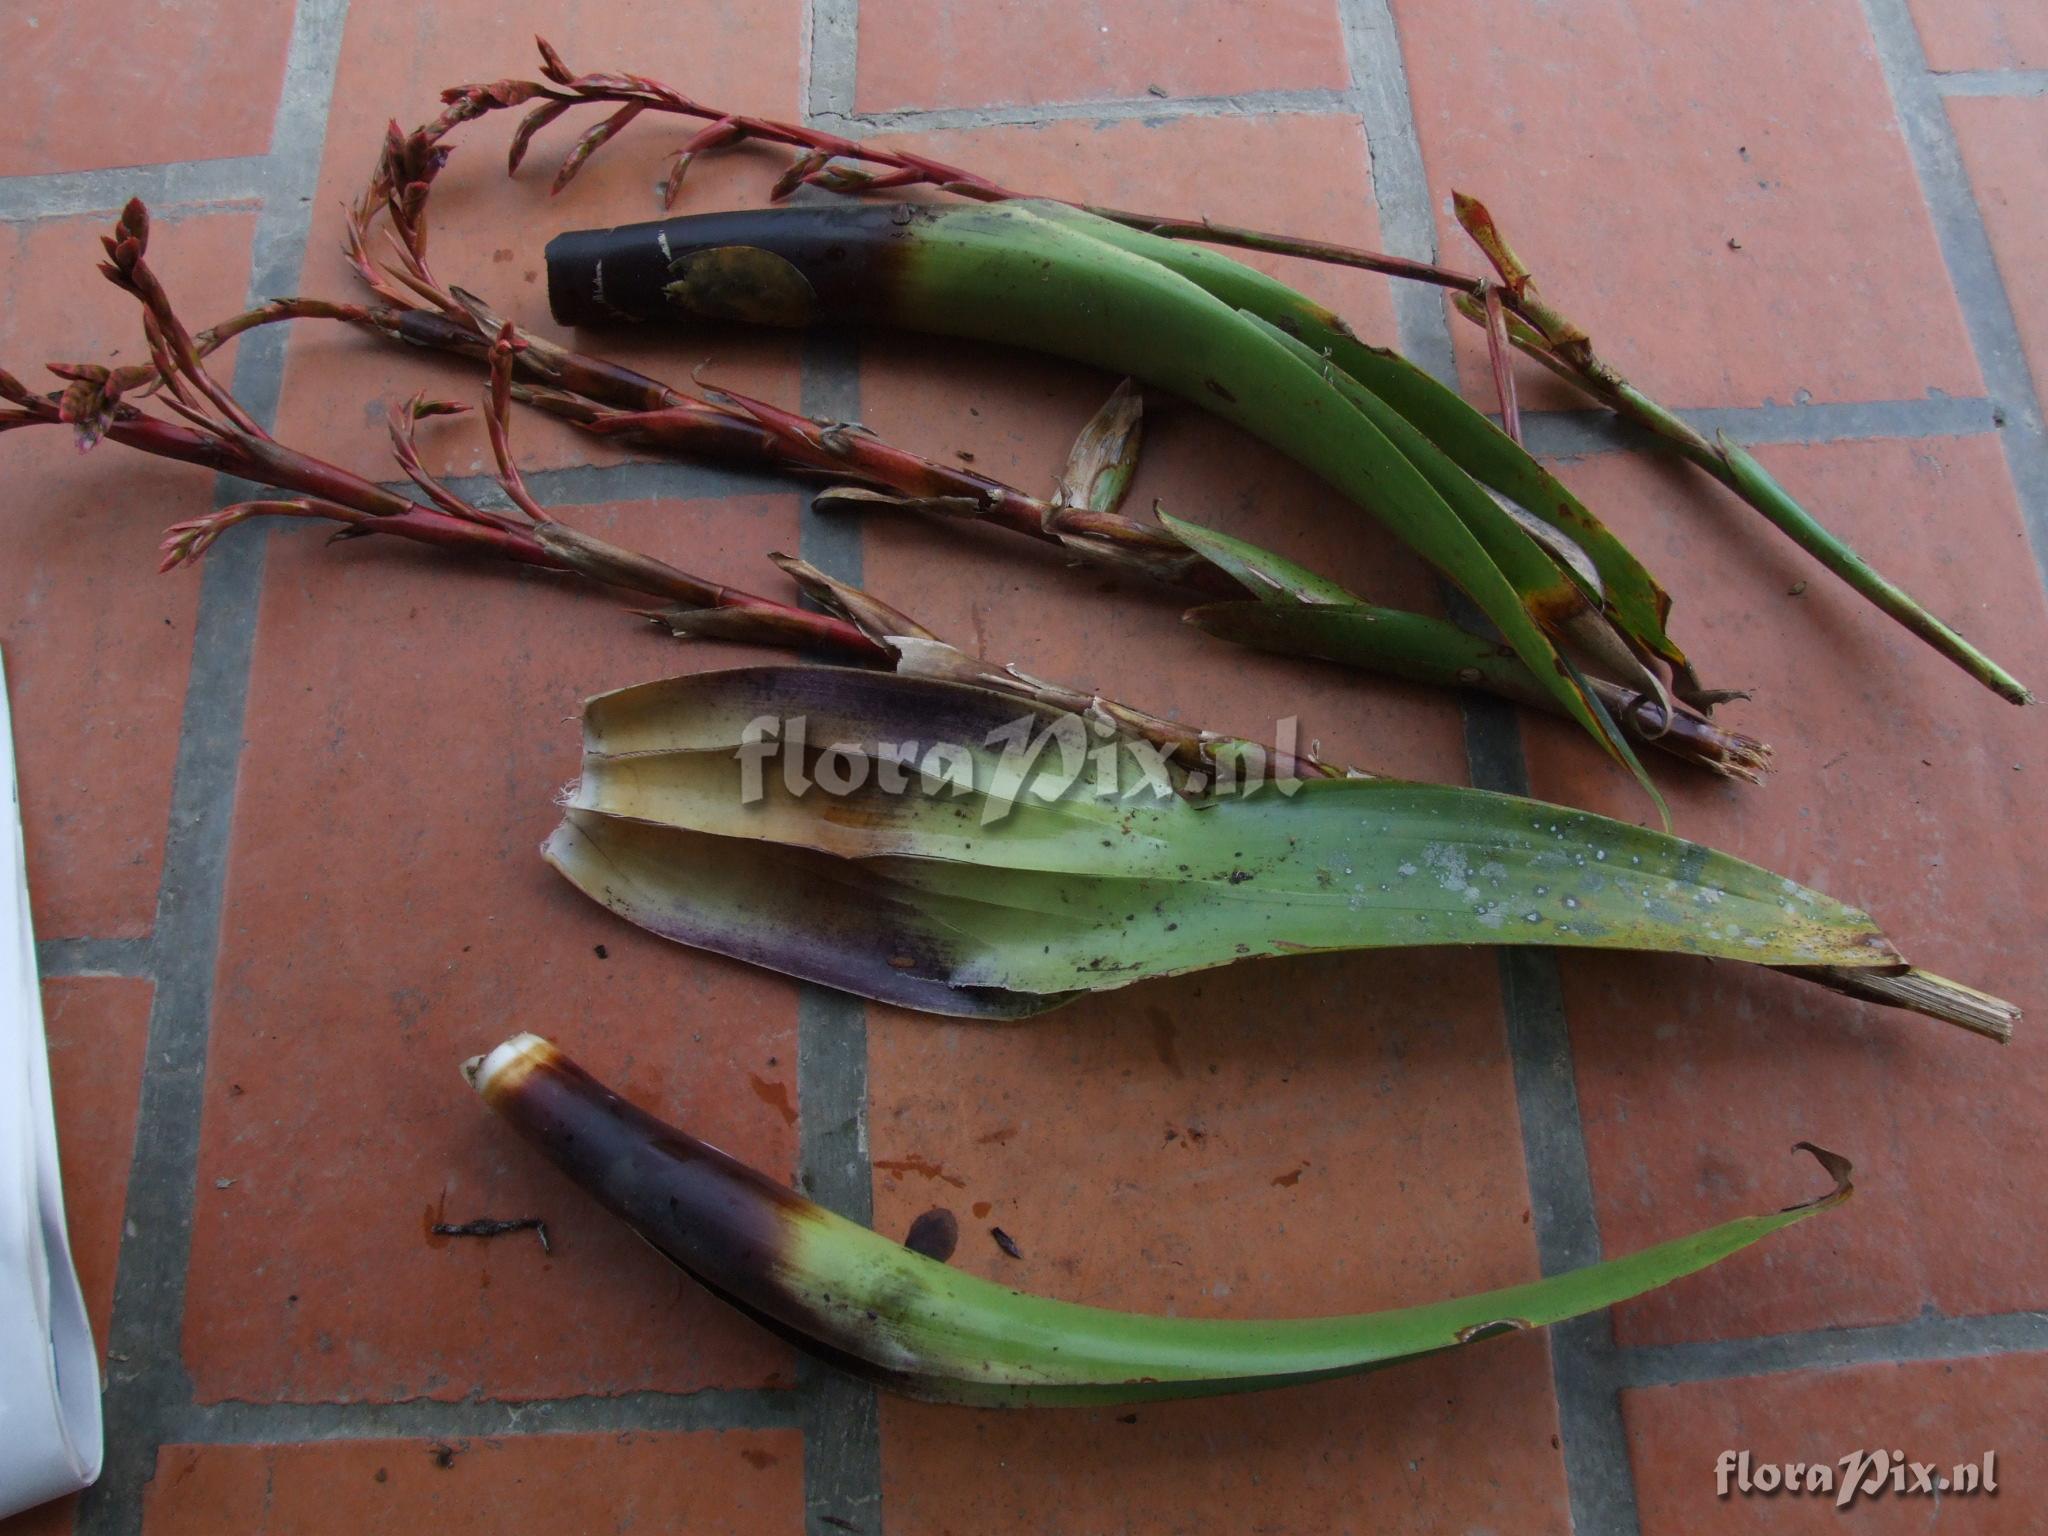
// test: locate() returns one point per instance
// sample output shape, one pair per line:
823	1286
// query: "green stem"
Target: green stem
1563	347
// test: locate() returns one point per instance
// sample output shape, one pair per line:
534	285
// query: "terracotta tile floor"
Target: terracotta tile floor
281	814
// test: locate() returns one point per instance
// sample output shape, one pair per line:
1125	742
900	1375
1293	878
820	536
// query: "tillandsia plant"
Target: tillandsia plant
416	307
1005	902
1509	308
1049	276
884	1312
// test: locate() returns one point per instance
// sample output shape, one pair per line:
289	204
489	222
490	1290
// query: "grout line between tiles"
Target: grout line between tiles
841	1416
586	485
1566	434
1990	82
1400	187
146	1380
831	38
1116	109
94	957
64	194
1599	1481
1972	269
1924	1338
244	1423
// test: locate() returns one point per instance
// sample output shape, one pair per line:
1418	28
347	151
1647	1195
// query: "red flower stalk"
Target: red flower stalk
218	432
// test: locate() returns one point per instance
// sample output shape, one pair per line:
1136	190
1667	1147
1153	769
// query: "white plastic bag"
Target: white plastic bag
49	1370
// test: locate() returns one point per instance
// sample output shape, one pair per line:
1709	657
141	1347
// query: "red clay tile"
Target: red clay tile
735	1481
97	644
2002	143
1899	784
1297	171
489	232
1943	1413
1981	34
387	915
56	1518
1187	1146
934	53
138	82
1628	147
98	1029
1456	1444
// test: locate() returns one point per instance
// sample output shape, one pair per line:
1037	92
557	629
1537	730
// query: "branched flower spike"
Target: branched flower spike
216	431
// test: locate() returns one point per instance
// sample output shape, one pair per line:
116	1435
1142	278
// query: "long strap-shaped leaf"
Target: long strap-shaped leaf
1478	447
971	864
1012	273
1550	588
1297	612
855	1299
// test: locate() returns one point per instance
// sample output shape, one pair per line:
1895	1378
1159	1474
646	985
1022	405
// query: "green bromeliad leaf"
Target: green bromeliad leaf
875	1308
1043	276
1269	577
994	852
1482	450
